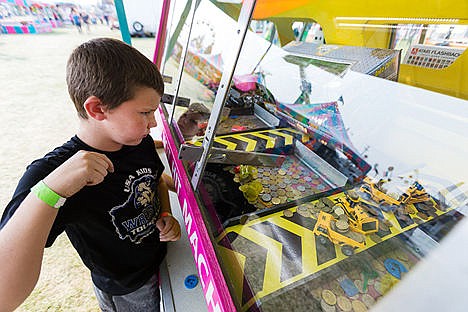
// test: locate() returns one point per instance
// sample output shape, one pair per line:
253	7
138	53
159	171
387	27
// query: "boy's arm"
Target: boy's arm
22	242
168	226
23	238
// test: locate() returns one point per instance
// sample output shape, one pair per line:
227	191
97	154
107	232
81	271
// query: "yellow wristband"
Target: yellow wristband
166	214
48	196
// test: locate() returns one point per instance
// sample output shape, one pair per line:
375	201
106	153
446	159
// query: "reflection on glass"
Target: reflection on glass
372	179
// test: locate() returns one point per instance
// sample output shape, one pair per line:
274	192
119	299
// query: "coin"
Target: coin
281	192
275	200
383	227
422	215
305	214
336	288
379	288
315	207
302	207
368	300
344	217
317	293
329	297
273	187
300	188
338	210
342	226
326	307
282	185
359	285
358	306
344	303
358	237
266	197
378	265
328	202
353	195
288	213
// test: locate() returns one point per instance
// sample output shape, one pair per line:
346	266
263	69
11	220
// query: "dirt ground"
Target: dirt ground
36	116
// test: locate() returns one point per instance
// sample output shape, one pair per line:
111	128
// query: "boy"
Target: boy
103	187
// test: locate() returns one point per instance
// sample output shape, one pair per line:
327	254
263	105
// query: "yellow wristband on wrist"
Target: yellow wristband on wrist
48	196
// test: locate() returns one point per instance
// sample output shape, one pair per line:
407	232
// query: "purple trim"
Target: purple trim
217	295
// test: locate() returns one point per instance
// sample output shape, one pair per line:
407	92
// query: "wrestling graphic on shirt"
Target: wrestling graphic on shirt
136	218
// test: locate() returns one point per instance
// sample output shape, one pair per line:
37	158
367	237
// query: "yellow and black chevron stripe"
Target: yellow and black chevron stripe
269	253
258	141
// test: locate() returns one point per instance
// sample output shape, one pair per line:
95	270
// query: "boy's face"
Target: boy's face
130	122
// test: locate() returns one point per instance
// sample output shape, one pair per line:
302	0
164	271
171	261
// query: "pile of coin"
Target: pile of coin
290	182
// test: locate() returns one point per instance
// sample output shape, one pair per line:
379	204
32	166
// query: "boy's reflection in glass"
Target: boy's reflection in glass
193	121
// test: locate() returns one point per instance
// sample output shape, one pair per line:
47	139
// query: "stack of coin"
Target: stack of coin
342	226
303	210
338	210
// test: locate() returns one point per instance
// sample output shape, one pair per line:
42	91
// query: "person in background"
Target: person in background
76	19
104	188
86	21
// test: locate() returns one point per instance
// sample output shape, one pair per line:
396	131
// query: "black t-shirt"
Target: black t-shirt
112	224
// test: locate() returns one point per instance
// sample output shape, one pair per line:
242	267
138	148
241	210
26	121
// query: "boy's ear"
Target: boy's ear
95	108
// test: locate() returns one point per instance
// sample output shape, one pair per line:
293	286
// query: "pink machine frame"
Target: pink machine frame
217	295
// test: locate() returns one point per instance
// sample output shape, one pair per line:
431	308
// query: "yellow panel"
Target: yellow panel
251	144
452	80
366	23
270	140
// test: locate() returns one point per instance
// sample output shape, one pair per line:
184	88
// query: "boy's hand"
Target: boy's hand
83	168
169	229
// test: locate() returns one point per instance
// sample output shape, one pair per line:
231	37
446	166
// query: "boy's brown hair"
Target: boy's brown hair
110	70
